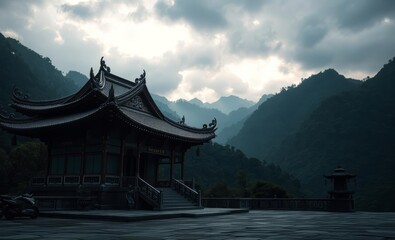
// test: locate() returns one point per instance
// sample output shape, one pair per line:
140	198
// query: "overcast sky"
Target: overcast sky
208	48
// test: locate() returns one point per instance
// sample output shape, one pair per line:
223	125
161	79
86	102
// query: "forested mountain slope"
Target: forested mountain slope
216	163
30	72
283	113
355	130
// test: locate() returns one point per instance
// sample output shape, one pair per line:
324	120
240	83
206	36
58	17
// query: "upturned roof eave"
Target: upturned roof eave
201	135
21	98
30	110
33	127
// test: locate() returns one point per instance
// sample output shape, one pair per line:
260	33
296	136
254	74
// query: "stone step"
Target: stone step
174	201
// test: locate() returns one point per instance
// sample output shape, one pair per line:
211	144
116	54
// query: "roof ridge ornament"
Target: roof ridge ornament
182	120
91	74
213	124
99	83
103	65
5	114
17	93
141	78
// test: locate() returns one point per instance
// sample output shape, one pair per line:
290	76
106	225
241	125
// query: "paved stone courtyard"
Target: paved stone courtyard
252	225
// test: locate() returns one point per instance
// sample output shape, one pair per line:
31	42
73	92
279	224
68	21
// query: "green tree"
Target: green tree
220	189
5	168
268	190
27	160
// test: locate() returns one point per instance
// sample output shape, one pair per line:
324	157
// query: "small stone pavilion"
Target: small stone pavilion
106	141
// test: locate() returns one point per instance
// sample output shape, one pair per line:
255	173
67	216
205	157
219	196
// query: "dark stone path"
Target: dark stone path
252	225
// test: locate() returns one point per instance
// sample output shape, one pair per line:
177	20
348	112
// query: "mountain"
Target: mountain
198	102
230	103
356	130
238	117
197	113
197	116
216	163
162	104
224	104
78	78
31	73
283	113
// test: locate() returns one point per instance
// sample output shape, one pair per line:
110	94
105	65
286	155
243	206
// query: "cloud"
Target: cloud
140	14
256	41
200	14
356	16
208	48
16	15
311	32
81	10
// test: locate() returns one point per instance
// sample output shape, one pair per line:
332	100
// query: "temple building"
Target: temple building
107	141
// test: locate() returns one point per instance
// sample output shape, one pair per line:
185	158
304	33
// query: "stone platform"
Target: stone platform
263	224
140	215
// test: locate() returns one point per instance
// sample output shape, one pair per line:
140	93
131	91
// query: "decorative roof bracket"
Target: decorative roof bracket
18	94
6	115
141	78
213	124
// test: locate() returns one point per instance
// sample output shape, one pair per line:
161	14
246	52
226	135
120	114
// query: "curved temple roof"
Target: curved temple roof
103	94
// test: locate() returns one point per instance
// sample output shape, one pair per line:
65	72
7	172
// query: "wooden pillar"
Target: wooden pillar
137	173
49	163
83	157
182	165
157	171
171	163
122	158
104	160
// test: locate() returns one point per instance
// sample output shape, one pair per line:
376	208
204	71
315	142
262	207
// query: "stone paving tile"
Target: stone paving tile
253	225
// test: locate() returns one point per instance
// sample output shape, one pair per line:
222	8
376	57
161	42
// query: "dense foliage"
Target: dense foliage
20	164
216	164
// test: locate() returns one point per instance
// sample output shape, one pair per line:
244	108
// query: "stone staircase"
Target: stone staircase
172	200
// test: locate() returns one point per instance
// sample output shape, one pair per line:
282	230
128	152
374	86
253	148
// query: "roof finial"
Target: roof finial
91	74
103	65
182	120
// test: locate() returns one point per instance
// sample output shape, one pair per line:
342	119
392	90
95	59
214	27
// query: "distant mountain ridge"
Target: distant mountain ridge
225	104
231	103
196	115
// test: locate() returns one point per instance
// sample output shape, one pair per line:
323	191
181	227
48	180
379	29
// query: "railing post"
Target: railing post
161	200
200	198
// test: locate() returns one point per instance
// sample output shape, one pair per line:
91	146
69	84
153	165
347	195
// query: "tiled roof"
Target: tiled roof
159	126
100	93
36	123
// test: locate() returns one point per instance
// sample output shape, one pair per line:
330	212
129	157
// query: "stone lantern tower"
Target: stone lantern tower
342	197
